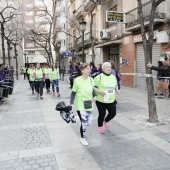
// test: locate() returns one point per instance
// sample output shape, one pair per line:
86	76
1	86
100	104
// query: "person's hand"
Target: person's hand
102	93
94	99
118	91
149	65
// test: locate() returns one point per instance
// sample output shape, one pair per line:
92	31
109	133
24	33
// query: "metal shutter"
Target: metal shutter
140	64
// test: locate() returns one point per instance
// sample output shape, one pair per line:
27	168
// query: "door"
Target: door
140	64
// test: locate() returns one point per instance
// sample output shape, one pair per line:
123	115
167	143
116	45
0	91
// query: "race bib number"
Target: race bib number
110	90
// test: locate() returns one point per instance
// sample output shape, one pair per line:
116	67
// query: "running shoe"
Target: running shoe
53	94
106	125
100	129
83	141
58	95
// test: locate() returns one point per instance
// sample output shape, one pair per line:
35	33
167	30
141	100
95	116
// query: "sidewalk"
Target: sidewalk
33	135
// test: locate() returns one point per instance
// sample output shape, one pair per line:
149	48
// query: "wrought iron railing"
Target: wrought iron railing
132	17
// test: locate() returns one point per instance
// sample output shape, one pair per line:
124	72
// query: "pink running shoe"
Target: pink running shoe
53	93
106	125
100	129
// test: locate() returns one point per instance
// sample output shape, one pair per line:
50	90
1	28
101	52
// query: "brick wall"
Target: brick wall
128	52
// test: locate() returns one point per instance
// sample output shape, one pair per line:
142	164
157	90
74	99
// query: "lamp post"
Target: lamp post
25	58
82	24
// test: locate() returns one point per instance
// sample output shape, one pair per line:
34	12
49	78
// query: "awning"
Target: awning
68	53
108	43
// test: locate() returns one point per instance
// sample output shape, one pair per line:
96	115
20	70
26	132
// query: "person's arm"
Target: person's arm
73	94
162	69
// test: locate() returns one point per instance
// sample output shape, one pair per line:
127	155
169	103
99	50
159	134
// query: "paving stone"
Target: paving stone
31	163
15	139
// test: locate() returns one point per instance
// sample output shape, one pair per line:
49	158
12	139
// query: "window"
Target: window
29	44
29	21
31	53
30	13
29	5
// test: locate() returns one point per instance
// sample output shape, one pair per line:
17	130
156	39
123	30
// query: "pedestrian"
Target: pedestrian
39	81
105	87
116	73
31	72
47	80
84	94
24	71
166	70
73	73
94	71
99	68
54	76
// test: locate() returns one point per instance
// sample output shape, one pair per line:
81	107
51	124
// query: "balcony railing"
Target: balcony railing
80	12
88	5
87	39
72	21
132	17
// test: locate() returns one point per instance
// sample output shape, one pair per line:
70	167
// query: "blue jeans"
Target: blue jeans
55	82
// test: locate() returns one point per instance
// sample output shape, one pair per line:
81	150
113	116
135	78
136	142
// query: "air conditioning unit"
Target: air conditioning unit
105	35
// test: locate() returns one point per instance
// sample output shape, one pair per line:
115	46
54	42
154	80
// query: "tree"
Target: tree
147	45
8	11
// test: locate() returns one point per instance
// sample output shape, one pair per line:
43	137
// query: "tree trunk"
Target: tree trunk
91	35
147	45
9	60
153	117
3	46
16	60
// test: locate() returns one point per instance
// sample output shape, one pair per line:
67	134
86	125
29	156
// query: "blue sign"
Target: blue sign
68	53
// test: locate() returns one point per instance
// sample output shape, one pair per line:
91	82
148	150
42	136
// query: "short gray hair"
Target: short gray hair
104	65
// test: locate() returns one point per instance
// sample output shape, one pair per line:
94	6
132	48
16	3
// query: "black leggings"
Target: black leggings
39	87
102	107
32	87
47	83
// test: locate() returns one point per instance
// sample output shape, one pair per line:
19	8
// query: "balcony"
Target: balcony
88	6
132	17
80	12
72	21
87	40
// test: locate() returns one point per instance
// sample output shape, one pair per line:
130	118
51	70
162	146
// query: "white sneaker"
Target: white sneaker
83	141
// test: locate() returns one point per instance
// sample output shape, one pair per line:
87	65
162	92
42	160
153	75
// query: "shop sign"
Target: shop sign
138	38
114	16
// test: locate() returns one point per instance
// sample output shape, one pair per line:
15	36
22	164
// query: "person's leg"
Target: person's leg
102	113
48	84
41	88
24	76
57	87
38	87
83	119
53	87
111	107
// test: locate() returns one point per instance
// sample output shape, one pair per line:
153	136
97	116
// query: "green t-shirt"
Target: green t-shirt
55	73
31	72
39	74
28	71
47	72
106	83
24	69
84	90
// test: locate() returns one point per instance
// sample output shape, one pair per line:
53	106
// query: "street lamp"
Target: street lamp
25	58
82	24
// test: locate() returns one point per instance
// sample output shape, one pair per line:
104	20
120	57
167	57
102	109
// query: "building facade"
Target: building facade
132	46
37	24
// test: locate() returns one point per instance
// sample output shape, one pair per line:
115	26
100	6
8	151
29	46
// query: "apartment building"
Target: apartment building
35	19
132	46
106	46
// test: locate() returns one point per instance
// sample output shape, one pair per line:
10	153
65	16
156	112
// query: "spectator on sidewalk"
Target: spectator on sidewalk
105	87
83	92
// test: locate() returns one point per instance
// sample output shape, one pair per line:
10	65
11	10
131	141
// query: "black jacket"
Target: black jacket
164	69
